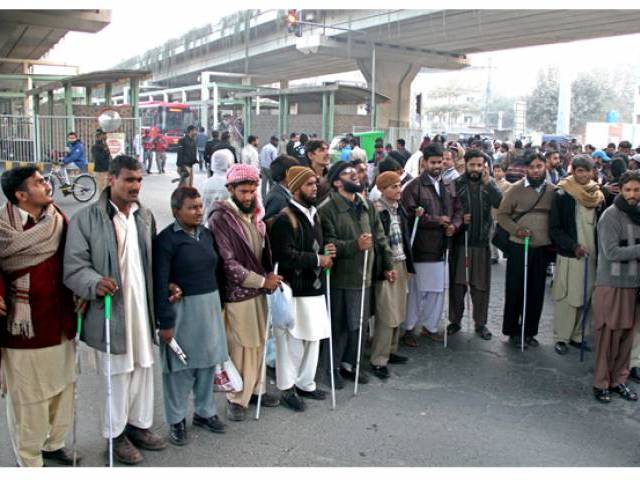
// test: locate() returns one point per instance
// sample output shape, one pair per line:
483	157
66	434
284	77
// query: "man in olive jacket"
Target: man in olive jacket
352	224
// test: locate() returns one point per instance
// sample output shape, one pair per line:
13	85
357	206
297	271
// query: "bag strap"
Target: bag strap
518	217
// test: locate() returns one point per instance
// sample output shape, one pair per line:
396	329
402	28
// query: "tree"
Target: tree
449	101
542	104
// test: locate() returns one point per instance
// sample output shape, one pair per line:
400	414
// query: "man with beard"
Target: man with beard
555	172
524	212
440	218
477	194
245	252
351	223
296	236
576	206
317	155
279	195
615	299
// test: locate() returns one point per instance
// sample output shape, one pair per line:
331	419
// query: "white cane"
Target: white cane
526	278
333	385
107	322
263	369
444	291
415	225
76	342
362	295
467	266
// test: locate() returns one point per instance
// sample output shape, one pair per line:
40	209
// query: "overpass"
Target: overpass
257	45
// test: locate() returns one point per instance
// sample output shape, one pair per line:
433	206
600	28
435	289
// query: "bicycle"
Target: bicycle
82	187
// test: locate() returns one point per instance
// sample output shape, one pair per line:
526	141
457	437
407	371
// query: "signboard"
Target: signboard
116	144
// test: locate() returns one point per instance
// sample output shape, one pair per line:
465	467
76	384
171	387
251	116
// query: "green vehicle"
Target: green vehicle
367	143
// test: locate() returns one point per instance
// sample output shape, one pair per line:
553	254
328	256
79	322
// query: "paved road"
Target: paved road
475	404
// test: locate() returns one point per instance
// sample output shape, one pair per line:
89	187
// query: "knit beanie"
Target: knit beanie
386	179
335	171
297	176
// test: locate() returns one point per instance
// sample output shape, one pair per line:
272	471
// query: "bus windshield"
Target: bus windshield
178	119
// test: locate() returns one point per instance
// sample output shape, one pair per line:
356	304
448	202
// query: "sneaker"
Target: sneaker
292	400
213	423
236	412
178	433
144	438
124	451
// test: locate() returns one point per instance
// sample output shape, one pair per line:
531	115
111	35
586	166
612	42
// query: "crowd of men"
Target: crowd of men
361	238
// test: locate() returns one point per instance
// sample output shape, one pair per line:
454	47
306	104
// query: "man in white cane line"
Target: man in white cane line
297	244
108	252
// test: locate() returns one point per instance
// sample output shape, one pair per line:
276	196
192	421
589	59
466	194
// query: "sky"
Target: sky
135	28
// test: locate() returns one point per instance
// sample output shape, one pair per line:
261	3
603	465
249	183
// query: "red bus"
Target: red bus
169	119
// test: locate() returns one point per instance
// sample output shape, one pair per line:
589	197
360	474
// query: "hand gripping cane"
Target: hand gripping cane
333	385
107	323
76	342
362	295
526	278
263	369
585	304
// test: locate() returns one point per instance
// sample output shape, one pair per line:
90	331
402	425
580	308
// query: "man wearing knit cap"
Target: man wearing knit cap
391	296
296	235
278	196
245	253
349	222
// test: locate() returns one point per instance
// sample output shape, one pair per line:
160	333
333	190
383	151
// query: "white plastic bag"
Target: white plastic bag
281	306
226	378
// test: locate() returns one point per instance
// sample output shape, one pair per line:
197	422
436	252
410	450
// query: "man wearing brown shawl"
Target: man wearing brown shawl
576	206
37	352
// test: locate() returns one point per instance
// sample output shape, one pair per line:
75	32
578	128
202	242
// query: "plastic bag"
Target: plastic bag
281	306
226	378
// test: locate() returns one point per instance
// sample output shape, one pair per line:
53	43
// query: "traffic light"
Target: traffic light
293	25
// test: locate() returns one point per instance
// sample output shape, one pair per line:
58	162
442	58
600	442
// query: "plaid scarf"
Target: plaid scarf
21	249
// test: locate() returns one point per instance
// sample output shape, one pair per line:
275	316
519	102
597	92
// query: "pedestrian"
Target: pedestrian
201	144
147	148
503	185
37	354
575	209
357	153
555	172
317	159
279	196
296	238
101	158
299	149
215	187
187	157
390	294
245	253
184	254
389	165
401	149
267	155
108	252
524	212
160	146
440	220
74	156
208	149
351	223
616	312
224	144
249	153
449	172
291	144
470	258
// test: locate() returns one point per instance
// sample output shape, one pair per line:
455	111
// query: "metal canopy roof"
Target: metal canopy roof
93	79
344	94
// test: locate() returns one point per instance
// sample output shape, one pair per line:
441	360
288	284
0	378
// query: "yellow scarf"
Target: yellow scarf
589	195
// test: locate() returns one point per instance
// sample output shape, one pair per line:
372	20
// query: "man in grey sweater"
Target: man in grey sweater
615	298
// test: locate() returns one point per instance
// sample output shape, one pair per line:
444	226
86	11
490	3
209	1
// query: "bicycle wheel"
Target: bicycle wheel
84	188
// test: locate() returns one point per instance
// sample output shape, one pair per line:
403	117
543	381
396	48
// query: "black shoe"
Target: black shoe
531	341
316	394
290	399
178	433
213	424
577	345
380	372
484	333
516	342
634	374
602	395
453	328
625	392
64	456
561	348
398	359
236	412
351	375
267	400
338	384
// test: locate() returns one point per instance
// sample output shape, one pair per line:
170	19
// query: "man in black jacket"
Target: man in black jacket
296	237
187	156
208	150
224	143
575	208
477	193
101	159
279	196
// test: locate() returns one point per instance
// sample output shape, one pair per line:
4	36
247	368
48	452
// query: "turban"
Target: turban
241	173
386	179
297	176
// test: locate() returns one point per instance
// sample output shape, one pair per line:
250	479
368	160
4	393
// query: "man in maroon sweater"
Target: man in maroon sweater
37	354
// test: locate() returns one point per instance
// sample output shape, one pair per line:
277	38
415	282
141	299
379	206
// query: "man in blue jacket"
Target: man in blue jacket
75	154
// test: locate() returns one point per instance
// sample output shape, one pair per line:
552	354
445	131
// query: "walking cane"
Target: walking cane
107	322
362	295
444	292
526	278
76	341
333	385
415	226
585	305
467	267
263	369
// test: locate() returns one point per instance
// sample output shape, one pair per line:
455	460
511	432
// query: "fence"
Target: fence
43	138
411	136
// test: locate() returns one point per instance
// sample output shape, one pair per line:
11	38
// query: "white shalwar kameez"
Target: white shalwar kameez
426	296
131	372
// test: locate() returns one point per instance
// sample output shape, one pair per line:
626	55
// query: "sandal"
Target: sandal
626	393
602	395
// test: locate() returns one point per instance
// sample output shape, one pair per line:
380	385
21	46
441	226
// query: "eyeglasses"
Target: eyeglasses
348	171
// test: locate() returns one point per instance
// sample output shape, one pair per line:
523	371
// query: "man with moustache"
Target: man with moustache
478	194
317	157
440	215
352	224
524	212
297	243
245	253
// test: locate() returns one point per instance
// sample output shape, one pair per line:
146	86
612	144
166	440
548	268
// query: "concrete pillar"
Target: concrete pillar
394	81
135	102
204	101
330	116
28	85
323	132
216	101
108	94
88	91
